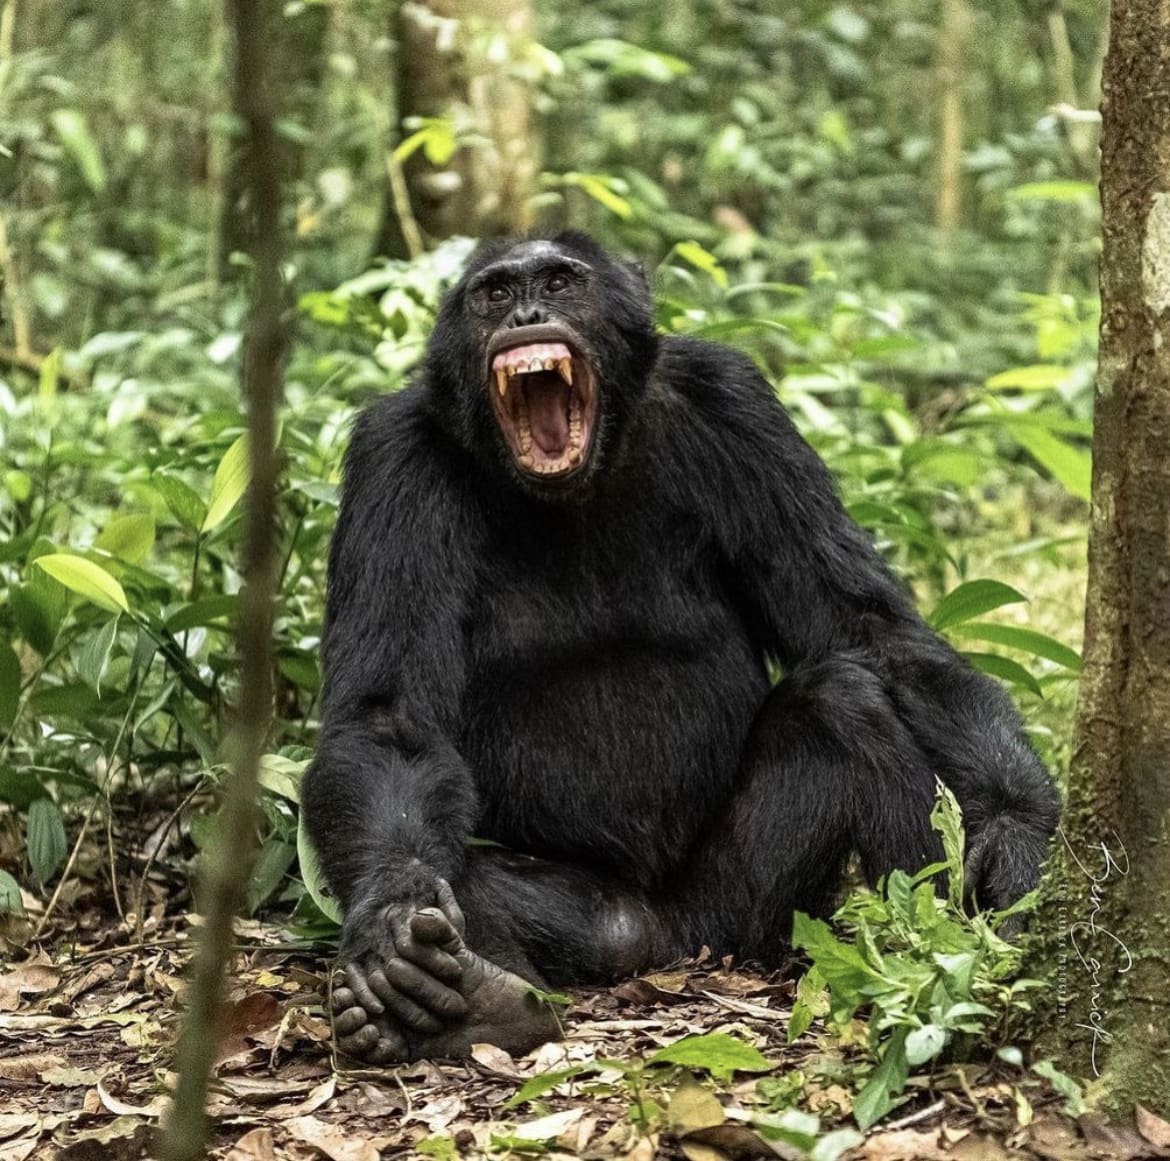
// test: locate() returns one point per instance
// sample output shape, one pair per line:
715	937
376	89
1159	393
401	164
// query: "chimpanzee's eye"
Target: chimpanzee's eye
556	283
498	294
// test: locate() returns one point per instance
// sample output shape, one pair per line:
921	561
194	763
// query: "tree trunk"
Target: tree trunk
949	178
1112	875
444	69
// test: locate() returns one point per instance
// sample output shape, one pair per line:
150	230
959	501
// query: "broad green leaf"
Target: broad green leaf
208	611
435	137
86	579
718	1053
946	817
230	483
924	1044
19	787
183	501
10	900
47	845
1068	1088
9	685
311	874
1068	465
973	599
282	776
532	1089
1037	377
1025	640
1006	670
1054	191
271	866
94	657
73	129
129	538
885	1082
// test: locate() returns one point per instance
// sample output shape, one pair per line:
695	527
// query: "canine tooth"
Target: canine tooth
512	369
526	461
502	381
574	455
565	366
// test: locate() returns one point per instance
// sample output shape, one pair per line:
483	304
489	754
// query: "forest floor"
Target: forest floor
88	1022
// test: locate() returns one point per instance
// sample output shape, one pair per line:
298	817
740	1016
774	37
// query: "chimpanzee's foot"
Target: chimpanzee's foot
399	1012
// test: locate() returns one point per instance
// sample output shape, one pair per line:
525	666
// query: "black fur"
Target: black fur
579	672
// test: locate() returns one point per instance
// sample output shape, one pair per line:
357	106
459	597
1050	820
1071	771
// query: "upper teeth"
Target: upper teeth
530	358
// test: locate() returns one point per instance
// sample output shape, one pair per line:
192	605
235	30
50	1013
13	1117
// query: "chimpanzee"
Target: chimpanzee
570	558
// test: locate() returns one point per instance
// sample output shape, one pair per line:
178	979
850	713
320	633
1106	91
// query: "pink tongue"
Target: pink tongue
547	416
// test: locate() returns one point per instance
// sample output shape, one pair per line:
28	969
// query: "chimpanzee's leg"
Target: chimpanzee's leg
829	769
510	923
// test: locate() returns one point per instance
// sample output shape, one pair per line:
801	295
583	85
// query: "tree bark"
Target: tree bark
1111	894
443	71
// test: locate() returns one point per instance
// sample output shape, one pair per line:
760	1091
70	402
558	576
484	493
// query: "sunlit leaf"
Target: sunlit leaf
94	657
86	579
129	538
1025	640
715	1052
1006	670
229	484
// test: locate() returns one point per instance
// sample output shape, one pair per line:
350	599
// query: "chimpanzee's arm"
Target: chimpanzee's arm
388	800
811	584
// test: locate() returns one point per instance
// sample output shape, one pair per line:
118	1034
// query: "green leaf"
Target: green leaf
973	599
9	685
95	655
282	776
1025	640
1038	377
73	129
47	845
1006	670
1070	466
1054	191
10	900
1065	1085
924	1044
311	874
885	1082
718	1053
208	611
86	579
19	787
230	483
946	817
703	260
129	538
183	501
532	1089
271	866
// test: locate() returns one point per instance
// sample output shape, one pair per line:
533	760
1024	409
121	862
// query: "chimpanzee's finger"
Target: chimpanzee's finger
347	1022
362	992
401	1007
425	990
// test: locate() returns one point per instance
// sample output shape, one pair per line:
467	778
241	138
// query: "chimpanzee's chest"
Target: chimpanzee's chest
611	687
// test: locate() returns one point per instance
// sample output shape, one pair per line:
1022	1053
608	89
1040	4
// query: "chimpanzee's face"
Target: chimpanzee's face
532	309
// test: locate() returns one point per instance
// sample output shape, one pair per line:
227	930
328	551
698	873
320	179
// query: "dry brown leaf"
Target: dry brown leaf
693	1151
904	1145
60	1077
438	1114
1153	1128
153	1108
21	1149
736	1140
974	1148
1117	1142
254	1145
548	1128
495	1059
645	1149
13	1123
98	974
694	1107
338	1144
30	979
28	1067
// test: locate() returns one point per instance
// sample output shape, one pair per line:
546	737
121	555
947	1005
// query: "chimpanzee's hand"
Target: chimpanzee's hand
1001	866
400	977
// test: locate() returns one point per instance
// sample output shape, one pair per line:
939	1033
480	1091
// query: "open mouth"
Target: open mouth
544	398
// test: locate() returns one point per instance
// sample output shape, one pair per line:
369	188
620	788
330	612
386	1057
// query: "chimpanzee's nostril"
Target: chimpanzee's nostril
527	314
